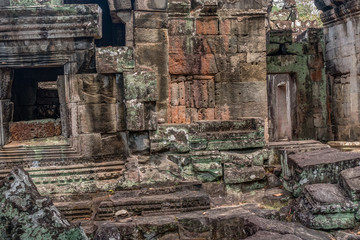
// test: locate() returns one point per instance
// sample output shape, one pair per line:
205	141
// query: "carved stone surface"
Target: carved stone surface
114	59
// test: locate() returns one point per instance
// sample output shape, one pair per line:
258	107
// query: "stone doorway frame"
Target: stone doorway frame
285	82
6	105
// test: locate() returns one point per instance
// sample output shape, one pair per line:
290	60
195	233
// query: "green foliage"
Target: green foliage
308	11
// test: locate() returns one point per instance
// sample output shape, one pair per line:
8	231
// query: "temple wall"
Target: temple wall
342	56
140	107
217	64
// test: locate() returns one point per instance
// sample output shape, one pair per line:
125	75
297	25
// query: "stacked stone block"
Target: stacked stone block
152	44
216	151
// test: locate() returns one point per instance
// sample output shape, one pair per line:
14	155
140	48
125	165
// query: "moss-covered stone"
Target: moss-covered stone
27	215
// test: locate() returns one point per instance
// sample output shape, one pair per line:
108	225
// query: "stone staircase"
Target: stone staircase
57	166
327	183
331	206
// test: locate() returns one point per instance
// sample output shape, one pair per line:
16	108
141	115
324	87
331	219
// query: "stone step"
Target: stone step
326	206
70	178
322	166
31	152
297	146
224	134
350	182
16	154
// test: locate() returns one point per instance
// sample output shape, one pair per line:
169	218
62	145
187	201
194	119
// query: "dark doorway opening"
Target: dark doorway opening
35	94
113	34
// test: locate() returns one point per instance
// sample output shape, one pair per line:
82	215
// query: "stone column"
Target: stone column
152	47
6	106
342	58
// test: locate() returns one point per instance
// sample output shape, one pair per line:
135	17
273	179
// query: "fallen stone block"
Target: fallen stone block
324	206
25	214
323	166
242	175
350	182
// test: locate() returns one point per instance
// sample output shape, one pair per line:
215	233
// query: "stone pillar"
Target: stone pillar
152	47
6	106
342	61
121	12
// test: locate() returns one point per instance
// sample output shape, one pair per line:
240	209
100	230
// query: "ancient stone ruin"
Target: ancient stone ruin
178	119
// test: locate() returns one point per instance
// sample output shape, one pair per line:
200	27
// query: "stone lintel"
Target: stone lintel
334	13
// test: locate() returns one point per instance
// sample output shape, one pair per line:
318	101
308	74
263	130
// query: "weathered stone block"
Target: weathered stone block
97	118
242	175
35	2
145	35
157	5
281	37
44	18
140	116
323	166
114	59
181	26
180	6
139	142
5	3
184	64
350	181
324	206
96	88
173	138
114	144
91	144
140	86
207	26
208	172
244	5
121	116
116	5
154	20
31	215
